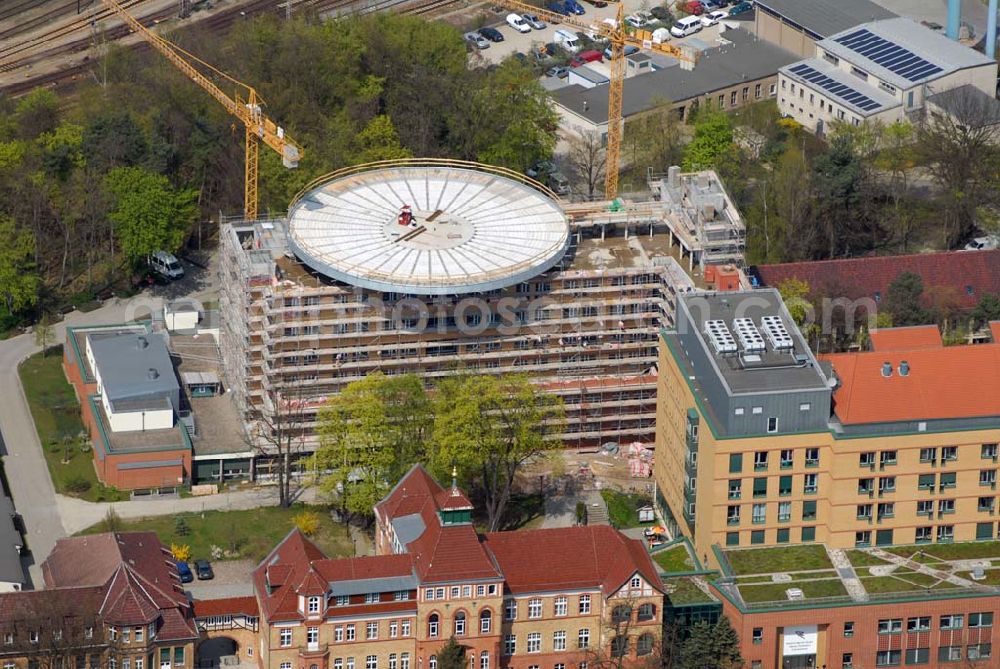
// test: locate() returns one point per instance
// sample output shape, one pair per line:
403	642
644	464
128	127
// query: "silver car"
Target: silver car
533	21
477	40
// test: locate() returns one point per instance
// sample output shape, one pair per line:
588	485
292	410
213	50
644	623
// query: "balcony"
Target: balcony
313	650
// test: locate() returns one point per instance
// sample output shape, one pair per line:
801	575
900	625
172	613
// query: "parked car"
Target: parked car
492	34
662	14
559	72
598	3
184	571
204	570
635	21
695	8
166	265
476	40
740	7
689	25
543	167
557	8
710	5
574	7
629	50
714	17
567	40
982	244
533	21
558	182
518	23
584	57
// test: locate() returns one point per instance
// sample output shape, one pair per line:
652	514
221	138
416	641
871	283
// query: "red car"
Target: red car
695	8
584	57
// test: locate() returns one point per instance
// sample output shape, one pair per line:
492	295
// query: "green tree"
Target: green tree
369	435
716	646
988	309
712	144
62	150
149	214
904	300
452	656
114	139
379	141
654	139
837	184
37	112
44	338
19	283
489	427
795	294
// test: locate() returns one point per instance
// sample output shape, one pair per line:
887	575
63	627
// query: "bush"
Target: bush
581	513
76	484
181	528
181	552
307	522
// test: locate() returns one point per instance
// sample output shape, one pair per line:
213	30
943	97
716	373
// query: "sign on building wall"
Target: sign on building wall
799	640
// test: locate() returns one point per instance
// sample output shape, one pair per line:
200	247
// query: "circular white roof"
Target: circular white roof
469	231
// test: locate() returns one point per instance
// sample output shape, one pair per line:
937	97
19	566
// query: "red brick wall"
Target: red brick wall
153	477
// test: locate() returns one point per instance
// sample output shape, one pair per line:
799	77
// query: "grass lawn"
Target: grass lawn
943	552
864	559
57	418
779	559
674	559
623	509
775	592
252	532
686	592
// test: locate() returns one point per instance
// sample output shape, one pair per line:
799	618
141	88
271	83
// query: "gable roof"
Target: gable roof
964	275
906	338
591	556
950	382
205	608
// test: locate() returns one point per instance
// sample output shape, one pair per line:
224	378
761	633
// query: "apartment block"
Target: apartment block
759	443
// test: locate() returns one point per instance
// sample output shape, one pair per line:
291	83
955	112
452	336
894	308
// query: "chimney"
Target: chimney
674	176
904	368
152	374
886	369
141	343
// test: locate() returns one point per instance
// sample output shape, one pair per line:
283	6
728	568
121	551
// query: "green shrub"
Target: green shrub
77	484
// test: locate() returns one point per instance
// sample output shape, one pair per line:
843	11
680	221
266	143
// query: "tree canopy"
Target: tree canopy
904	300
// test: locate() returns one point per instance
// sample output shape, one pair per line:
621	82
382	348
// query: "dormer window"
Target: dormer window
343	600
636	582
312	605
371	598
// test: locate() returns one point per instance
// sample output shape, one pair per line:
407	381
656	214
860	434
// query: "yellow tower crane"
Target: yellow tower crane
618	38
244	104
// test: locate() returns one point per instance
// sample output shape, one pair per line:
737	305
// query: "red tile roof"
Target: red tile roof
205	608
947	275
572	557
906	338
276	577
995	331
947	382
351	569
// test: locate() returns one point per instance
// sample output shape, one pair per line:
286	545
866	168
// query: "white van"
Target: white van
166	265
567	40
689	25
517	23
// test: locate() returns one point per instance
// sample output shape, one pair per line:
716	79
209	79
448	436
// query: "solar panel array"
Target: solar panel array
776	331
889	55
842	91
720	336
748	335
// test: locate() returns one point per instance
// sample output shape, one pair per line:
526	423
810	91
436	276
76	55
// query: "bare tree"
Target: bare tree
588	158
278	435
50	628
624	641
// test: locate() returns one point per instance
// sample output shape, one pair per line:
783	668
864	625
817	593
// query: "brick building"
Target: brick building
110	601
542	599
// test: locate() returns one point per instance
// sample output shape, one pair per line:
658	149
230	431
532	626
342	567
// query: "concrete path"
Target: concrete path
927	570
855	588
560	510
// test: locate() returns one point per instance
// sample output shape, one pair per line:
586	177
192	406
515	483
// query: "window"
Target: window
534	608
350	632
460	623
863	538
988	477
621	613
509	644
849	629
921	624
732	538
455	590
404	628
480	590
760	487
583	638
812	457
949	453
864	512
312	605
722	101
371	662
809	510
735	463
986	504
760	460
866	459
887	658
784	486
928	455
344	600
947	480
886	484
988	452
887	458
285	665
433	625
535	642
584	604
485	621
847	661
923	535
809	533
890	626
945	534
950	654
179	655
784	512
784	535
646	612
561	606
484	660
757	537
392	661
946	506
866	486
918	655
559	640
619	646
732	98
112	634
772	424
735	488
338	634
371	631
925	507
510	610
285	637
756	92
787	459
404	595
644	645
429	595
953	621
758	635
759	514
757	411
312	636
925	482
635	583
810	484
886	510
982	651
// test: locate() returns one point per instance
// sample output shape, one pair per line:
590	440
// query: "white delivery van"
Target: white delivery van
689	25
661	36
567	40
517	23
166	265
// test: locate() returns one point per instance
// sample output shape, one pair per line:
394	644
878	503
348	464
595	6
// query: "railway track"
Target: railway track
40	20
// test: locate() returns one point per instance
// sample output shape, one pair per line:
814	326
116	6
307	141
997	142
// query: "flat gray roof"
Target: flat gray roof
768	370
744	60
134	365
823	18
942	55
366	585
590	75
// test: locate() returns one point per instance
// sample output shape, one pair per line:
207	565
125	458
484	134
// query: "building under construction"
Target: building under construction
439	267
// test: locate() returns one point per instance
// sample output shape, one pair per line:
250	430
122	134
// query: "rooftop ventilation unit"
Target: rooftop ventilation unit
720	336
776	331
749	335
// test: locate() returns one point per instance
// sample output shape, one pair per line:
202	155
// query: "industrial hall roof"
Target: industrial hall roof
822	18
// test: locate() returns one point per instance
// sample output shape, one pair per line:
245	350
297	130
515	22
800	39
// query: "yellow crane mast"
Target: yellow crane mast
618	39
244	104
